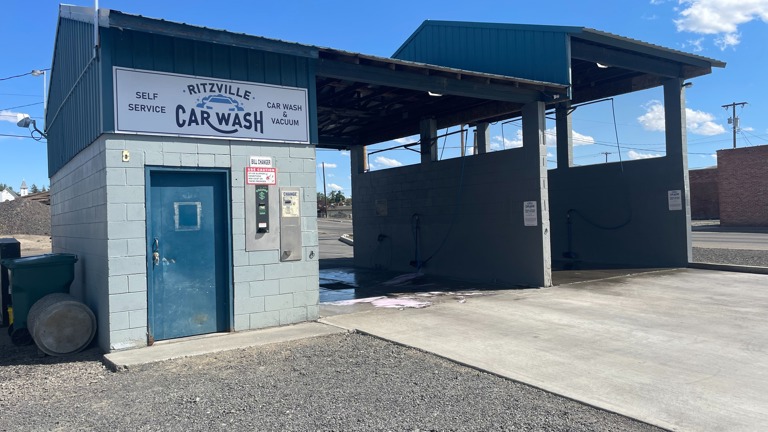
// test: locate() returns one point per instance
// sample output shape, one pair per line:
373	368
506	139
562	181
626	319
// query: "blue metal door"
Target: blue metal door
188	257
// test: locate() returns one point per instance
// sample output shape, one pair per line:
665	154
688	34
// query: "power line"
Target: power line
24	74
21	106
17	136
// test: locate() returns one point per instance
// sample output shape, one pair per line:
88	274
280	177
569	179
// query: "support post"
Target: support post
535	154
482	138
428	132
358	156
677	155
564	136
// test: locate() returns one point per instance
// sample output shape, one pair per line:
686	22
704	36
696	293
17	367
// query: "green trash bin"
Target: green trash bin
32	278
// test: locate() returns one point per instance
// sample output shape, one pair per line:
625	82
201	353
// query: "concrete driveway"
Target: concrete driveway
682	349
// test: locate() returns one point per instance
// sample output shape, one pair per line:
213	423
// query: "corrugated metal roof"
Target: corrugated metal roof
114	18
649	48
584	32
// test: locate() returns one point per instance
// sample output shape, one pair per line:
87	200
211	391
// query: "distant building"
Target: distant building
7	195
736	192
23	191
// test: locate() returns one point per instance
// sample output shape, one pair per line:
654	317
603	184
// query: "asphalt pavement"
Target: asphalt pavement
719	239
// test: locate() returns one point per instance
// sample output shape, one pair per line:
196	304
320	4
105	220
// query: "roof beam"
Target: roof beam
431	83
612	57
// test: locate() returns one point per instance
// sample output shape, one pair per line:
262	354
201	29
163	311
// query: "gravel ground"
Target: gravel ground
23	216
757	258
339	382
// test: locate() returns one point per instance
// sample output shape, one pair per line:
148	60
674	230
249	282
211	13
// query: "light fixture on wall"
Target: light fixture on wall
602	66
687	84
25	122
434	94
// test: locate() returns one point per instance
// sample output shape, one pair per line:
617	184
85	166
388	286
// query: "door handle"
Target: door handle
155	251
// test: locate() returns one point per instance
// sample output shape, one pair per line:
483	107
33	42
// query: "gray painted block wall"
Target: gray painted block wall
609	196
267	292
79	226
471	217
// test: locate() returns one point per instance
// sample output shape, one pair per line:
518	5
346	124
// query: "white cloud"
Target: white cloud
502	143
697	122
344	152
695	44
327	165
720	17
700	123
748	129
658	2
11	116
714	156
407	140
334	187
550	135
637	155
387	162
725	41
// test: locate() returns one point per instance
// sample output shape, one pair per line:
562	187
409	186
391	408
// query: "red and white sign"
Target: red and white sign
260	176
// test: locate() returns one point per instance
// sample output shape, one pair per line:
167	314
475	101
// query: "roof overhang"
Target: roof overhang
605	65
364	99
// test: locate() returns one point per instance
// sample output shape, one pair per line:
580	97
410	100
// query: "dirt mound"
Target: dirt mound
22	216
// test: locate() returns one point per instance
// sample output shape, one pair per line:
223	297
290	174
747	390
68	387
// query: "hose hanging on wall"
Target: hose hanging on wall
570	254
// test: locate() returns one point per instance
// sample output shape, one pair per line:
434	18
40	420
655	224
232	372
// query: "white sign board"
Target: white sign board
171	104
530	213
675	199
260	161
260	176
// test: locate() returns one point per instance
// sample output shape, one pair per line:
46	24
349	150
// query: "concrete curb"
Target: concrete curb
208	344
729	267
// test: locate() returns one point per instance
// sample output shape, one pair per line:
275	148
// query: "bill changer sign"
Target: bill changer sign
171	104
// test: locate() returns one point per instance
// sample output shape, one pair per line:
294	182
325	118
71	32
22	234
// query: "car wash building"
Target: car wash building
182	164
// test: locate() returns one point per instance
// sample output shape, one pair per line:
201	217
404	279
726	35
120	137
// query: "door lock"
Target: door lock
155	251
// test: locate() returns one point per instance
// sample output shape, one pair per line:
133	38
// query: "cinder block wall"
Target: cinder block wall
79	226
743	184
705	201
632	200
98	212
470	218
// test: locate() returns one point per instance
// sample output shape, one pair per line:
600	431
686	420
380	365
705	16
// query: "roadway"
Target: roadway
709	238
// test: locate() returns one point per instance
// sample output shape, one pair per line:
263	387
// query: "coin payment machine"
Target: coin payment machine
273	220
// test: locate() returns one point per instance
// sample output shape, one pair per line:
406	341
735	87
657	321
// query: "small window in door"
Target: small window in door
187	215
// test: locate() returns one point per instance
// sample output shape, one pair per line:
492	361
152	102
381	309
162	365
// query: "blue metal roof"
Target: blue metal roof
541	52
525	51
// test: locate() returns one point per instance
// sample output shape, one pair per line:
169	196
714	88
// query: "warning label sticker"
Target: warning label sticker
260	176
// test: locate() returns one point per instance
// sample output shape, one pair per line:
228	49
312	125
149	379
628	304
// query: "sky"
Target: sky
628	127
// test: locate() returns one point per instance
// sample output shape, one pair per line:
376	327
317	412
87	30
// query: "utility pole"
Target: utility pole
734	121
606	155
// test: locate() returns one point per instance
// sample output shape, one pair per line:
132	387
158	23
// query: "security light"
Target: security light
25	122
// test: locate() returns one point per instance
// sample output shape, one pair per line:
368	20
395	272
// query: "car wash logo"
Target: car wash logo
220	107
